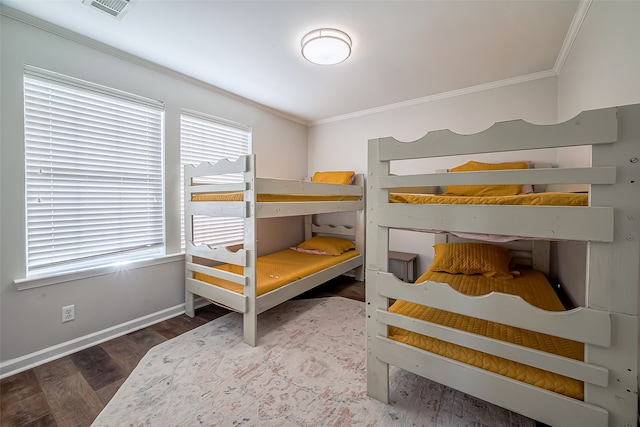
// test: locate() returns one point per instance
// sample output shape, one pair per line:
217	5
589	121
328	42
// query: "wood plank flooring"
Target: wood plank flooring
71	391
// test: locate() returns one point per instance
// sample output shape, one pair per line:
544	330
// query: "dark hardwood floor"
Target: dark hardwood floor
72	390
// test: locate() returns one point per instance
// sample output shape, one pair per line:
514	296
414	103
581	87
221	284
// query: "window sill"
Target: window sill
52	279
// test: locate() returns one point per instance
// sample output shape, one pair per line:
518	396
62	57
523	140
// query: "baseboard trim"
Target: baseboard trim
40	357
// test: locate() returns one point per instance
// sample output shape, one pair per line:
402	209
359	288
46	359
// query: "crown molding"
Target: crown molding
572	33
439	96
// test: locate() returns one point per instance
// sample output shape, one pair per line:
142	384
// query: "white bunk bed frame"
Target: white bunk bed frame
608	325
250	304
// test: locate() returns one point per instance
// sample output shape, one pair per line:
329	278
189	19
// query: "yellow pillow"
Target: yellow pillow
325	245
334	177
472	258
486	190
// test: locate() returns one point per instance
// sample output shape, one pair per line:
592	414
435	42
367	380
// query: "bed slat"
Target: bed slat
221	167
586	325
543	405
218	253
339	230
547	222
280	186
222	296
280	209
539	359
214	272
589	127
596	175
216	188
218	209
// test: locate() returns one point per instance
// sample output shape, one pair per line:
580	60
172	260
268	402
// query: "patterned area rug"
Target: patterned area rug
307	370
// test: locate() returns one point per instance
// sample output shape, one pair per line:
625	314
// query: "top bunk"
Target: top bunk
232	189
395	202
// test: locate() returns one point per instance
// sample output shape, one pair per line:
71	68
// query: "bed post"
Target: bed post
189	307
308	227
360	242
377	246
541	255
613	271
360	226
250	316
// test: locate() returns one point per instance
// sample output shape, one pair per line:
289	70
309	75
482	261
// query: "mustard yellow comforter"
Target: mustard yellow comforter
534	288
278	269
544	199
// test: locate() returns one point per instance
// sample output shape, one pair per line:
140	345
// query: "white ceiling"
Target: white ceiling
403	51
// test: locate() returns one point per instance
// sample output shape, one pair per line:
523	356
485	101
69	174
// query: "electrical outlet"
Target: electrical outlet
68	313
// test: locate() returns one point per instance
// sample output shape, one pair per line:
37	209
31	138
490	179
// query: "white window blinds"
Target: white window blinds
94	174
209	139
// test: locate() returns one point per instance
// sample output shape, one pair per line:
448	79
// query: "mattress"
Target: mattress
278	269
534	288
239	196
542	199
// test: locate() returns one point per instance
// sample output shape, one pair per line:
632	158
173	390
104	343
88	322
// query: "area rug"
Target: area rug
307	370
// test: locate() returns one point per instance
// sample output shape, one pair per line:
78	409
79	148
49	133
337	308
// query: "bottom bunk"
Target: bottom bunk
473	323
275	278
533	287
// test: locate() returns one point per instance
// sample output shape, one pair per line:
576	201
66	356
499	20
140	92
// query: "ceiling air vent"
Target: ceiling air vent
115	8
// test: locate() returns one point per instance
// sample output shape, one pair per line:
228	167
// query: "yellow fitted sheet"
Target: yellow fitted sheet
543	199
239	196
534	288
278	269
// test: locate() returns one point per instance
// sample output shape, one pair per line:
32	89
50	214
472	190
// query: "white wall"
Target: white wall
31	319
343	144
603	65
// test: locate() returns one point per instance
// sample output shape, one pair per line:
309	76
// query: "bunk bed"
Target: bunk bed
237	278
602	336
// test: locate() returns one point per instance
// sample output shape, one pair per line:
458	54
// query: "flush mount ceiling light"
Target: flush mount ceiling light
326	46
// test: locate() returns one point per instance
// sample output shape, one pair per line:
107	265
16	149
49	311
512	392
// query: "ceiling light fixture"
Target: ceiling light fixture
326	46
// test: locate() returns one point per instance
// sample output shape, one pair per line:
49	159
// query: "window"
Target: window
94	174
209	139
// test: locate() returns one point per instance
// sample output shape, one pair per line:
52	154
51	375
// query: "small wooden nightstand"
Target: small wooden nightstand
406	259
